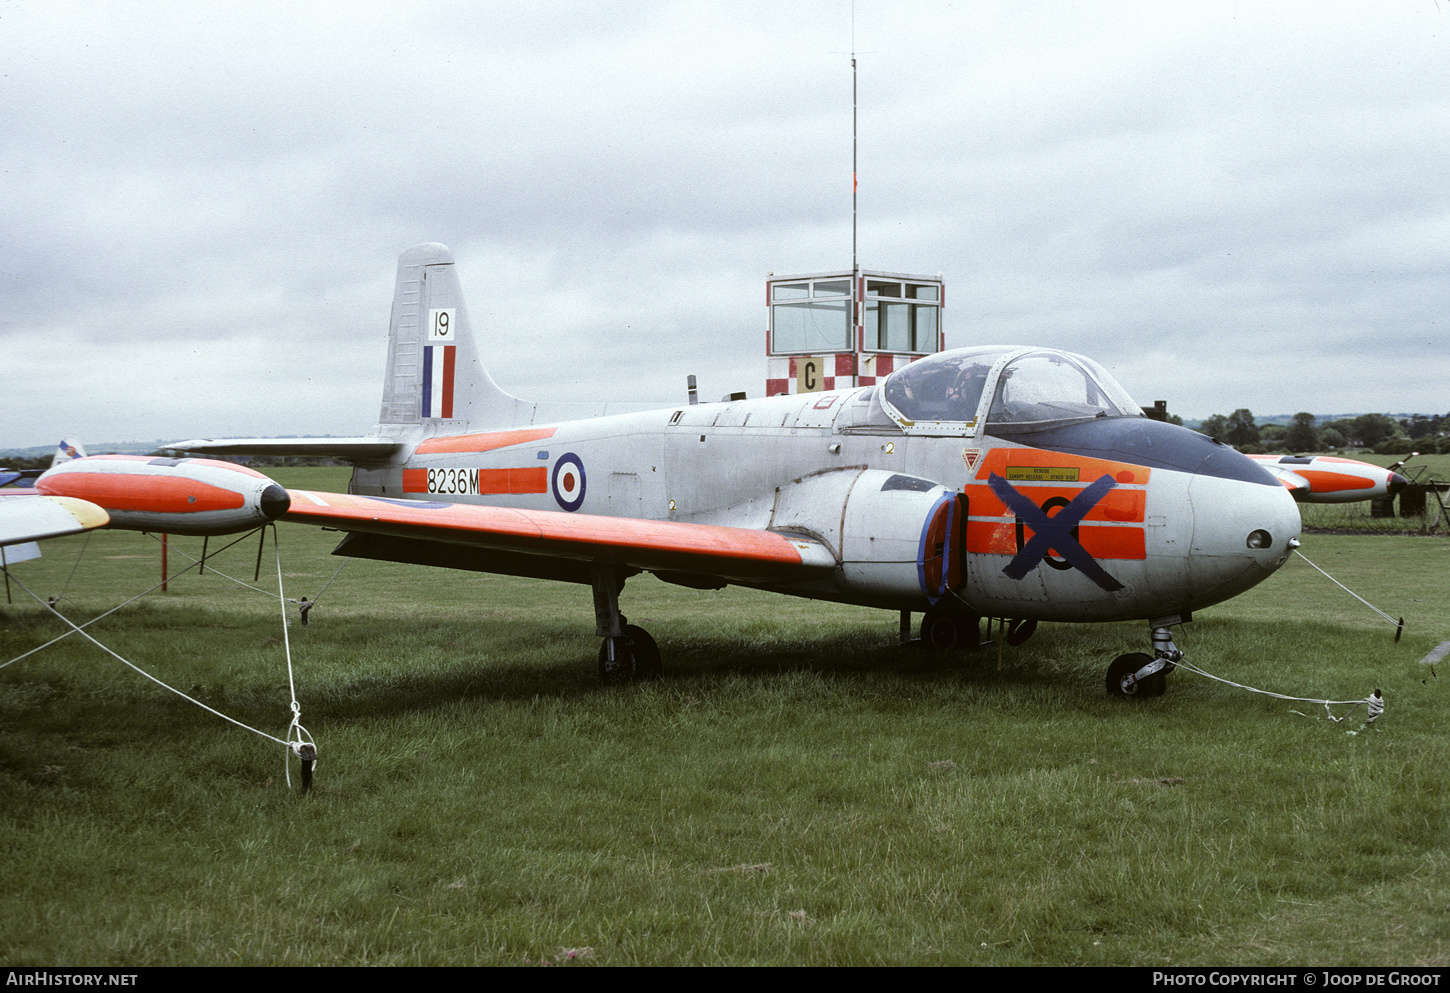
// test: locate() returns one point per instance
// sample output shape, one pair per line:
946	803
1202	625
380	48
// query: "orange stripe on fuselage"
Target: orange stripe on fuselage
1000	538
534	479
1030	471
1117	505
483	442
491	482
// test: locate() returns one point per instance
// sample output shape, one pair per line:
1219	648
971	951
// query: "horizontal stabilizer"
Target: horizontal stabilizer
347	449
30	517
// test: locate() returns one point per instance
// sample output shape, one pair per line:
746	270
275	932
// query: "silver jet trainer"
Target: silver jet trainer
1015	483
1009	482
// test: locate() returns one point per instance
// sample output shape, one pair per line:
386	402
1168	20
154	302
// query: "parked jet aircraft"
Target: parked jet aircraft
1014	482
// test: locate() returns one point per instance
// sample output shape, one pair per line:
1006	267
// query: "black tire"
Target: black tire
1154	685
943	632
647	662
1019	631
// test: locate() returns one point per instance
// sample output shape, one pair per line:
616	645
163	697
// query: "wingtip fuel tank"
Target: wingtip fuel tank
172	496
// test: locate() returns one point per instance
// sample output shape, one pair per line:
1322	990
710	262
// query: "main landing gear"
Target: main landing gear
1138	675
628	653
944	629
631	656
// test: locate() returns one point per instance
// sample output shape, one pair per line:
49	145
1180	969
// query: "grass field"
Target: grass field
798	789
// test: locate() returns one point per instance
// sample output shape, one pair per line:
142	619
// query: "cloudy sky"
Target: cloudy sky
1227	204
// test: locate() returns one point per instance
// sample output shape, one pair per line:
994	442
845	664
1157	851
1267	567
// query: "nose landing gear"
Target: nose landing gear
1138	675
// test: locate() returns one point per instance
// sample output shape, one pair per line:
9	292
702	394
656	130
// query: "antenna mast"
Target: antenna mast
854	269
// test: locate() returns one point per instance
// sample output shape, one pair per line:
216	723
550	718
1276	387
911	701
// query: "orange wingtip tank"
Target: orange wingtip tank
1329	479
174	496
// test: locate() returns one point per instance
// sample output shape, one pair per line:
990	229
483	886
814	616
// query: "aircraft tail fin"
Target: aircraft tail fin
67	450
435	376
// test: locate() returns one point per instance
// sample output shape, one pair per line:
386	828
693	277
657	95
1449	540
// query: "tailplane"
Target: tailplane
434	375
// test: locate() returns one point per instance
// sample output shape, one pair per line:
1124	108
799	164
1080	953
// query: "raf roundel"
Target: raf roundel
569	481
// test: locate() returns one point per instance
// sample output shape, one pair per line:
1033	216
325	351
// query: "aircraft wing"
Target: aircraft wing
348	449
32	516
664	547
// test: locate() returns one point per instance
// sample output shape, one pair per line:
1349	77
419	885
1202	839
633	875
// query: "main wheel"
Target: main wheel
647	663
941	631
620	669
1019	631
1124	665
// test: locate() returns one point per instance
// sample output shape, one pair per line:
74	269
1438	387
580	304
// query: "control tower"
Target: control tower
835	330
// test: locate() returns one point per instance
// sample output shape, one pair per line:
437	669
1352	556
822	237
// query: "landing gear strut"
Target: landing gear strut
628	653
1138	675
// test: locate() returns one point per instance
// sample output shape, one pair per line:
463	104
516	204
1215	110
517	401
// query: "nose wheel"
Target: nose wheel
1137	674
1125	677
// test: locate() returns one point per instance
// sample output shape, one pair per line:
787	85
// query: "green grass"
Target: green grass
1435	466
799	789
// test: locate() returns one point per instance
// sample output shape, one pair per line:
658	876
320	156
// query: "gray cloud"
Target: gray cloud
1228	205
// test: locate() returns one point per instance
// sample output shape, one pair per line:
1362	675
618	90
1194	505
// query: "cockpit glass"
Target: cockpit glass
943	387
1038	386
1055	386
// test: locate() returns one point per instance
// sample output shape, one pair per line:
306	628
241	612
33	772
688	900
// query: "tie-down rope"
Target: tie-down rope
298	741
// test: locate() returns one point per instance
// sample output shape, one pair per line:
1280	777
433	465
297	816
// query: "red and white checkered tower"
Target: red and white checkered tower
834	330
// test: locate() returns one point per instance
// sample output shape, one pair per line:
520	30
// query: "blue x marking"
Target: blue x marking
1055	533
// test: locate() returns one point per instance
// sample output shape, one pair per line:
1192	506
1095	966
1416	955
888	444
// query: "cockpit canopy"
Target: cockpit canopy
1025	387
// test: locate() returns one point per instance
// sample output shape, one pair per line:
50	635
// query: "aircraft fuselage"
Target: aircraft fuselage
1171	525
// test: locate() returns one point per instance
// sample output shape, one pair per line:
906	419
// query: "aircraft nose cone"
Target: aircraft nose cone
275	501
1397	483
1242	533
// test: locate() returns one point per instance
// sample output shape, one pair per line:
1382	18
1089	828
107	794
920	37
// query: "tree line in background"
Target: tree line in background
1379	433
